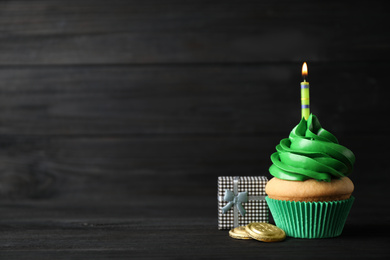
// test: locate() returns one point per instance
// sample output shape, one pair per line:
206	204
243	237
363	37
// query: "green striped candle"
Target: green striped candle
305	97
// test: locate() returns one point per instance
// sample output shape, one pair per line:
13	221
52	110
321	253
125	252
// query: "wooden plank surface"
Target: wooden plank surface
116	168
139	32
117	117
122	100
167	227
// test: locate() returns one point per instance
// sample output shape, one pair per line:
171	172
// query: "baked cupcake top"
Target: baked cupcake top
311	152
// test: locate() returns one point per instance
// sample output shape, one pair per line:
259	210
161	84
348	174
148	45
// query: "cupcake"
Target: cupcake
310	195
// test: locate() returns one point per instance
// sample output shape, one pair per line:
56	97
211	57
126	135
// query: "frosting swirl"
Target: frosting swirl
311	152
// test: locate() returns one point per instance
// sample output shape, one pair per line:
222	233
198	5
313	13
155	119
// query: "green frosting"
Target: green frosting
311	152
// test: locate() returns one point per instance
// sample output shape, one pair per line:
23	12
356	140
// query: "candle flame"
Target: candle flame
304	70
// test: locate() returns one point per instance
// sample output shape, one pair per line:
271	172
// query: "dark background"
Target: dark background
117	117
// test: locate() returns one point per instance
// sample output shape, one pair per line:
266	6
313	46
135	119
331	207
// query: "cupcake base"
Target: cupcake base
310	219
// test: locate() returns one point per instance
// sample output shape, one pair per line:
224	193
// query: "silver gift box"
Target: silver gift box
241	200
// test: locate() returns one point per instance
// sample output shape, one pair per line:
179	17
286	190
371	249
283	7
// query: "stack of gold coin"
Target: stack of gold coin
260	231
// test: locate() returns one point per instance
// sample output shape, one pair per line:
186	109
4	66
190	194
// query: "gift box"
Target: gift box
241	200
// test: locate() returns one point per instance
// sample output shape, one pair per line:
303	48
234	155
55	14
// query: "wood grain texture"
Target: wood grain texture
210	104
160	229
117	117
144	32
208	99
117	168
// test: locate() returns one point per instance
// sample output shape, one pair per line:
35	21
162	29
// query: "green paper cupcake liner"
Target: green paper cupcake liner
310	219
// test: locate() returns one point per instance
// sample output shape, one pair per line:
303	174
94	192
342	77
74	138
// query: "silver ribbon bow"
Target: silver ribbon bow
236	200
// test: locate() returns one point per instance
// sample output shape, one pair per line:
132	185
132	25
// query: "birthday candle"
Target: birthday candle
305	98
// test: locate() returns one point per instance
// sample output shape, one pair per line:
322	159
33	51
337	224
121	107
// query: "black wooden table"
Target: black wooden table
175	224
117	117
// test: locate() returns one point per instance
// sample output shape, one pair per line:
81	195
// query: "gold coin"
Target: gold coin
239	233
265	232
